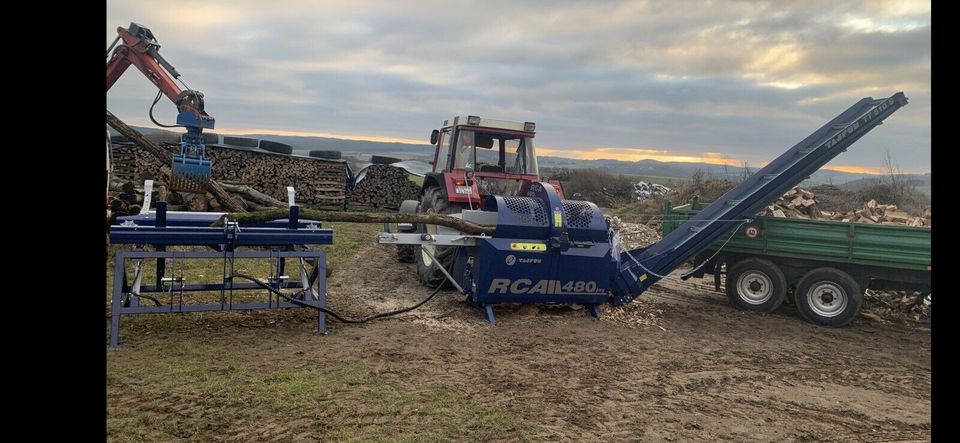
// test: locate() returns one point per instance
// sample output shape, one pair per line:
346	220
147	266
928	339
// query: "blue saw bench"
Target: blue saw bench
548	250
277	241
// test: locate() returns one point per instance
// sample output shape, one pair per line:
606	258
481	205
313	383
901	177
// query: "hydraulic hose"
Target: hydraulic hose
333	314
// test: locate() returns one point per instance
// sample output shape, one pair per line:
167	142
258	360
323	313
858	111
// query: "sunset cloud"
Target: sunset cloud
613	79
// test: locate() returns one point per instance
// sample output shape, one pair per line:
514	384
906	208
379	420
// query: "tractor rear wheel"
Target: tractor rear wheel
428	269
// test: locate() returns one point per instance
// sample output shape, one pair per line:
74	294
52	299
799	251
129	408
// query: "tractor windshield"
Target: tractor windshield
493	152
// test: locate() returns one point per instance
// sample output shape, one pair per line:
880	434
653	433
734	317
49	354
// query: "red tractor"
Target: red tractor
475	158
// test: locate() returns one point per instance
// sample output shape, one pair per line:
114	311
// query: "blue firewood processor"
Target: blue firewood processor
549	250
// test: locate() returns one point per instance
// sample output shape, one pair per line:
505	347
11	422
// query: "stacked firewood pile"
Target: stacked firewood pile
632	235
884	306
801	203
384	186
318	182
125	198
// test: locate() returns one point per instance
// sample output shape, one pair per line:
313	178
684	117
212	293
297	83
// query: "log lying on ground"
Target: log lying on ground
358	217
166	160
252	195
384	186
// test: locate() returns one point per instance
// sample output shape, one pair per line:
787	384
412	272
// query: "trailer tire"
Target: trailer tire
755	284
428	270
829	297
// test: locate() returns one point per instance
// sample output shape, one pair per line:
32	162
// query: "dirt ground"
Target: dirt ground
678	364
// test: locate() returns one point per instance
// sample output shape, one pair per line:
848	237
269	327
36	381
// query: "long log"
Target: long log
359	217
225	199
253	195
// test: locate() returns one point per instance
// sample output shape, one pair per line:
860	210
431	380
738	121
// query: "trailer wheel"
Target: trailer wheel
828	296
755	284
434	202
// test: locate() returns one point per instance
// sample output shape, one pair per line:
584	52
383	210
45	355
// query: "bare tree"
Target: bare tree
899	185
746	172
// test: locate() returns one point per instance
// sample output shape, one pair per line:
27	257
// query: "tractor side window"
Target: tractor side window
519	156
443	156
514	163
529	155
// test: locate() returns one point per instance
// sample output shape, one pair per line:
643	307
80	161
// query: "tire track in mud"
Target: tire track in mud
715	373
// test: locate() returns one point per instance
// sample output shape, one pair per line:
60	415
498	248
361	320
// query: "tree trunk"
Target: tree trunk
360	217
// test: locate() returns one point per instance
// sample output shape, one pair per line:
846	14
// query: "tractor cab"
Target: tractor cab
475	159
479	157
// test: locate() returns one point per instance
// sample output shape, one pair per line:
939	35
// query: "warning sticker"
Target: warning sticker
533	247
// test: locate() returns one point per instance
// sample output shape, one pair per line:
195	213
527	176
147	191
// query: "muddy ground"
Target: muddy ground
678	364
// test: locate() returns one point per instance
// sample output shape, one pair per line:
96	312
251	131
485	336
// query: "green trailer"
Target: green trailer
823	266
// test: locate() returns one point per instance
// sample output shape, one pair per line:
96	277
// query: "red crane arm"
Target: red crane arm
142	53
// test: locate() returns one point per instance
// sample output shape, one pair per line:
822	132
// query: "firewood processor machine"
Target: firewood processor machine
543	250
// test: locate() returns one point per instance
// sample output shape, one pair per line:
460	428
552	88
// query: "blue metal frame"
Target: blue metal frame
288	239
202	220
125	303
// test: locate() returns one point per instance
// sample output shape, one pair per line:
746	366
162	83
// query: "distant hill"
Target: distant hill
922	182
653	169
681	170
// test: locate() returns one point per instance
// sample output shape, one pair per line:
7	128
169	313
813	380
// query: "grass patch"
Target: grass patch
198	398
173	385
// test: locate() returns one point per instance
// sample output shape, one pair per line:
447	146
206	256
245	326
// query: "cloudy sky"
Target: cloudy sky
716	81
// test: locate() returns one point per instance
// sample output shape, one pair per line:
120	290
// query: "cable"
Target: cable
159	93
137	294
470	197
329	312
114	44
734	232
715	253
